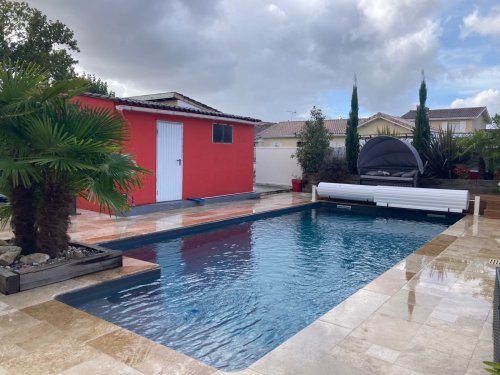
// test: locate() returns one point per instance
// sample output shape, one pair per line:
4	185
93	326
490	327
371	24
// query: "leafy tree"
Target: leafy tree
96	85
496	119
314	141
26	35
422	131
352	137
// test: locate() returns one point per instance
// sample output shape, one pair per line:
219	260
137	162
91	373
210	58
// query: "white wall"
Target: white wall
273	165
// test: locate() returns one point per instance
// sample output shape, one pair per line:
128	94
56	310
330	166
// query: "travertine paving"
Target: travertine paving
429	314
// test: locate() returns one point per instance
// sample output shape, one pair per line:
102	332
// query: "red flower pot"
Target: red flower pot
296	185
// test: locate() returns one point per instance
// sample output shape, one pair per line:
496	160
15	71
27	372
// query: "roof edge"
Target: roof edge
153	105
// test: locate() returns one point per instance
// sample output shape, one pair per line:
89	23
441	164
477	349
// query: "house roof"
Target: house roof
450	113
165	96
290	129
262	126
394	119
154	105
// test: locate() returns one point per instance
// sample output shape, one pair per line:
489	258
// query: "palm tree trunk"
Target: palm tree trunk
23	217
54	218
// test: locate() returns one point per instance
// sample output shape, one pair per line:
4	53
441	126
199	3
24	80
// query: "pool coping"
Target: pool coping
358	208
342	362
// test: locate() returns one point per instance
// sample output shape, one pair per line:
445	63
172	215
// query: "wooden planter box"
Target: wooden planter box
18	281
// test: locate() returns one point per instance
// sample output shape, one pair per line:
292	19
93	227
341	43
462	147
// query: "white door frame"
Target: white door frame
177	193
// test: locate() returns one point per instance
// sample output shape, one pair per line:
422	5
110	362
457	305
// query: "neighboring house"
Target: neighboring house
191	149
285	134
461	120
259	128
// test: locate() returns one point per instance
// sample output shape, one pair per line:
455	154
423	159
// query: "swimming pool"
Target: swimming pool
228	295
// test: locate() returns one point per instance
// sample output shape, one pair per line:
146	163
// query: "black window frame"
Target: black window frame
224	133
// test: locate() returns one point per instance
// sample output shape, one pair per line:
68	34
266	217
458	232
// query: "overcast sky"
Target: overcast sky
276	59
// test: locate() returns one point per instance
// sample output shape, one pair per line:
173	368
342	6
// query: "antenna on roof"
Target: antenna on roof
292	113
355	80
423	75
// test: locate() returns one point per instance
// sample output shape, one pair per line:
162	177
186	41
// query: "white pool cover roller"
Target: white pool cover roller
401	197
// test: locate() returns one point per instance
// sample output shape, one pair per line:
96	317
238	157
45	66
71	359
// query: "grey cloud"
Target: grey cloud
252	58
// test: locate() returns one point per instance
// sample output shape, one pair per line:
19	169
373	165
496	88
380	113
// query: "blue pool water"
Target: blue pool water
230	295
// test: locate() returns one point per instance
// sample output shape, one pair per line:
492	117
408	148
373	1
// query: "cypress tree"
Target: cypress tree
422	131
352	137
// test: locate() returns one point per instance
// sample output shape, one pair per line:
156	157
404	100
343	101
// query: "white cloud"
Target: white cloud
486	25
489	98
277	11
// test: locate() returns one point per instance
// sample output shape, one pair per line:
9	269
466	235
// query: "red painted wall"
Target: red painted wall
209	169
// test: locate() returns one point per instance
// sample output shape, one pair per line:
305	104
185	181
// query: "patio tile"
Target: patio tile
390	282
36	337
10	323
476	367
414	262
456	322
445	340
324	365
353	311
431	362
71	321
101	365
147	356
242	372
9	350
310	344
483	350
398	370
410	296
405	311
51	359
354	352
393	333
383	353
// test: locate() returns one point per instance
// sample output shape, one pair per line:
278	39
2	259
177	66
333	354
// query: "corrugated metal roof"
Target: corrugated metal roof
148	104
173	95
448	113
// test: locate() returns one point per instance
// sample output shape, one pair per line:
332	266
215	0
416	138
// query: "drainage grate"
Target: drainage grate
495	262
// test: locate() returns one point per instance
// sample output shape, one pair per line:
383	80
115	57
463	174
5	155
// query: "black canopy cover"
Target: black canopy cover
388	153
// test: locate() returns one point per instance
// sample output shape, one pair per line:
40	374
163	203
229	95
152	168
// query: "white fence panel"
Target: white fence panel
274	165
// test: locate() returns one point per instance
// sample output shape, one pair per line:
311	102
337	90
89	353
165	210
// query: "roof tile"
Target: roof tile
448	113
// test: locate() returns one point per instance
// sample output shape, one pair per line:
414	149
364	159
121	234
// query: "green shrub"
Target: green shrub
314	140
493	367
443	153
333	168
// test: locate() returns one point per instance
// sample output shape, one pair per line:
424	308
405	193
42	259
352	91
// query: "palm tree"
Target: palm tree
24	89
51	151
78	154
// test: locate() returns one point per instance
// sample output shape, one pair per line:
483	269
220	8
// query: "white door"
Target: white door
168	161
